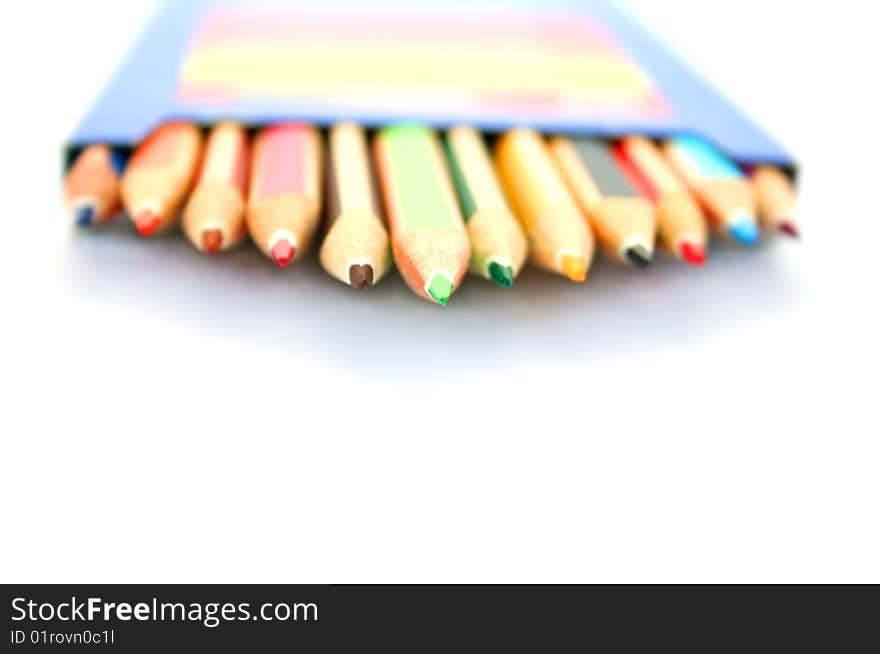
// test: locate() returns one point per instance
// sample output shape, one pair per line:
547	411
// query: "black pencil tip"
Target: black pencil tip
638	256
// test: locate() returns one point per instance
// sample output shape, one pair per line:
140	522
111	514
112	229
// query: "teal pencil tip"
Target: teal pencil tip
744	231
501	275
440	288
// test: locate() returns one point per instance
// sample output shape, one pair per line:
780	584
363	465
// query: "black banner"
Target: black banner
280	618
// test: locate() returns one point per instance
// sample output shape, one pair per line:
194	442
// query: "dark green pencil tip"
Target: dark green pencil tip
638	256
501	275
440	288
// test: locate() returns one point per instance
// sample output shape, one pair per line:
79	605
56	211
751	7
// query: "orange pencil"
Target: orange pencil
214	216
91	188
285	195
160	175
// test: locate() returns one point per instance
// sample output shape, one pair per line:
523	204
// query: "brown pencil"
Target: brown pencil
355	250
214	216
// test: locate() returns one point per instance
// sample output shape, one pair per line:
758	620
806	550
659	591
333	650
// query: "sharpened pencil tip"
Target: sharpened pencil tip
574	267
440	287
84	215
501	274
212	240
638	256
745	231
283	252
789	228
360	275
147	222
692	253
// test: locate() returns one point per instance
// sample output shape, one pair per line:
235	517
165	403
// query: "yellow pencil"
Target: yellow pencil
559	237
214	216
355	250
160	175
428	235
776	199
680	221
623	220
498	245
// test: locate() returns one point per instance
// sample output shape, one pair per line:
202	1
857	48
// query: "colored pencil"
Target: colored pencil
355	250
559	238
776	199
681	224
285	195
623	220
428	236
498	245
213	219
91	188
159	176
720	186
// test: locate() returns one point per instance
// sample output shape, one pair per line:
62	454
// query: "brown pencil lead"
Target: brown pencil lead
360	275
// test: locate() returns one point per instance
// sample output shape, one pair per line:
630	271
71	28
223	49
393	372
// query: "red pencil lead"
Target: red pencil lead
788	227
692	253
147	222
212	240
283	252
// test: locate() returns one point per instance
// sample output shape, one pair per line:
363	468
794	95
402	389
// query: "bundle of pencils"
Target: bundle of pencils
436	205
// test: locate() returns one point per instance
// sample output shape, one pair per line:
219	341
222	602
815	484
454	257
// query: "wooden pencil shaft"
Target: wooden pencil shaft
351	184
227	157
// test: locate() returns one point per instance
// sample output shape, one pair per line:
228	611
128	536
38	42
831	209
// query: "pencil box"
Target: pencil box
578	68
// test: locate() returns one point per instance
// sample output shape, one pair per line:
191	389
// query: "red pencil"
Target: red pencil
681	224
159	176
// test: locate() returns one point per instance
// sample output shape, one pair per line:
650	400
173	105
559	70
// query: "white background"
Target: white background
173	418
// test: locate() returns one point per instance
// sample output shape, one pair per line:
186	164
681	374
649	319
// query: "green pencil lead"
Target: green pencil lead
501	275
440	287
